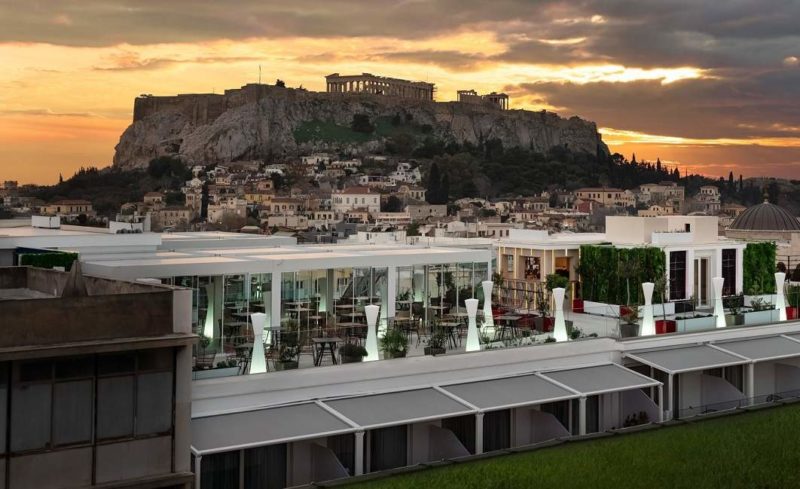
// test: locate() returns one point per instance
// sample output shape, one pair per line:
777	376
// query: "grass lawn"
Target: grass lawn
753	450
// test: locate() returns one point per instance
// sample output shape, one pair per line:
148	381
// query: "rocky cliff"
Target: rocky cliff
263	122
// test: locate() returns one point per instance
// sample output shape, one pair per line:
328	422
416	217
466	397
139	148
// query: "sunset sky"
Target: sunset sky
711	85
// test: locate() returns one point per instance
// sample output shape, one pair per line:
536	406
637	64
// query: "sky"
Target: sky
711	86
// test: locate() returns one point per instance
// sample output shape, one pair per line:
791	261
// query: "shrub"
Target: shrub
759	268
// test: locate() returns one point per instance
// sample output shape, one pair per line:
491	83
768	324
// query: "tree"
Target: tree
60	178
444	190
741	183
361	123
393	204
731	184
280	83
413	229
434	184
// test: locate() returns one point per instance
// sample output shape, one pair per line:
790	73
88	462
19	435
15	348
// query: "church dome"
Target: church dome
766	217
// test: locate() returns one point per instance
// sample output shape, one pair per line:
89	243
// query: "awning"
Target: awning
600	379
394	408
283	424
686	359
763	349
509	392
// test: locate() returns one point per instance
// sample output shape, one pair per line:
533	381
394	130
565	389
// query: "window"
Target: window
729	271
509	263
496	430
220	471
265	467
388	447
677	275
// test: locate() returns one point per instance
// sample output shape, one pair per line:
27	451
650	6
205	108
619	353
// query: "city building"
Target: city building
68	208
95	382
707	200
608	197
352	198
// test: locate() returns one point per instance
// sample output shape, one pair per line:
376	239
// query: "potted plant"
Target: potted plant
663	325
205	357
394	344
544	322
734	305
577	302
629	326
435	342
288	347
352	353
793	301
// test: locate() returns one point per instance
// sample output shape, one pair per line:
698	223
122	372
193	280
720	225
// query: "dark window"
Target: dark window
677	275
388	447
592	415
729	271
220	471
265	467
497	430
344	447
560	410
464	429
688	227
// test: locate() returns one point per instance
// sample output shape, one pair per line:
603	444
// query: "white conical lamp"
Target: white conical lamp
473	339
560	328
371	311
648	323
719	312
487	295
780	301
258	364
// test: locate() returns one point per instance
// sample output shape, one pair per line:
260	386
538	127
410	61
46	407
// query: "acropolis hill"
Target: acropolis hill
261	121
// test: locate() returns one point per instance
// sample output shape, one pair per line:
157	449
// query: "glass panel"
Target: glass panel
116	364
497	430
30	415
115	405
677	275
154	403
73	412
3	404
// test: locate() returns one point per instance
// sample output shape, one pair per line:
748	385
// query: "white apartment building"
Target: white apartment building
353	198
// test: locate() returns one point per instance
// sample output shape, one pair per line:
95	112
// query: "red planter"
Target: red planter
665	326
577	305
624	311
791	313
548	323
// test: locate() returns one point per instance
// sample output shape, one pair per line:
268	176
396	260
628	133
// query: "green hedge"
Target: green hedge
609	274
759	268
48	260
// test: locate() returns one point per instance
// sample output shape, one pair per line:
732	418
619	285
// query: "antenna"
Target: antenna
259	74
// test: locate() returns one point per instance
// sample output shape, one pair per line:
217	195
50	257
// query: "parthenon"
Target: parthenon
380	85
494	99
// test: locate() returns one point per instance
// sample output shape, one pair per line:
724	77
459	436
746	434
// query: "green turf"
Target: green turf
330	132
753	450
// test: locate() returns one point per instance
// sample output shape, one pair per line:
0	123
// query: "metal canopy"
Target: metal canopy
600	379
686	358
762	349
396	408
227	432
509	392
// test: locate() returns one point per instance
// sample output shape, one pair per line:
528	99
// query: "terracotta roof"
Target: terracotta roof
355	190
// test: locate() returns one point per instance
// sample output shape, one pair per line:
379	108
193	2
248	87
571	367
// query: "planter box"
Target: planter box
760	317
215	373
665	326
347	359
434	351
628	330
577	305
286	365
748	299
791	313
734	319
696	324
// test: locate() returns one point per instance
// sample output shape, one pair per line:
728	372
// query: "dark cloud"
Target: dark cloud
133	62
736	106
